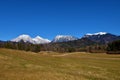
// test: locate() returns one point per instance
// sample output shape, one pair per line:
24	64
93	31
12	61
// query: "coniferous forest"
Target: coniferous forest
81	45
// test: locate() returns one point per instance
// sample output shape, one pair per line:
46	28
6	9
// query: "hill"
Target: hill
21	65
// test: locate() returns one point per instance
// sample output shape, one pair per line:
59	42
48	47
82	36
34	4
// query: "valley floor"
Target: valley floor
21	65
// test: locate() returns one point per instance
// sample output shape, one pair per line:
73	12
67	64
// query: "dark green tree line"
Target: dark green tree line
114	47
21	46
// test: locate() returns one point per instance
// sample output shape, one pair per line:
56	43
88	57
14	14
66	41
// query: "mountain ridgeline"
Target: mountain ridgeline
102	38
96	42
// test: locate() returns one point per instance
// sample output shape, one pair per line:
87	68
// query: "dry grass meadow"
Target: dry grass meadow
21	65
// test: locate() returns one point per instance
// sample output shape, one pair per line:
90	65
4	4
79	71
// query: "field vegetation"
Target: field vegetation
21	65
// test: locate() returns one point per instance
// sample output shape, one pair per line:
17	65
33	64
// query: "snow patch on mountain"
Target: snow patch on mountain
95	34
99	33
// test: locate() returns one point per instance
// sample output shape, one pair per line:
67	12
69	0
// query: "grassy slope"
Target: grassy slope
20	65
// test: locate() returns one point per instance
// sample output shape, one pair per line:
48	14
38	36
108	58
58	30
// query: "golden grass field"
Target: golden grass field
21	65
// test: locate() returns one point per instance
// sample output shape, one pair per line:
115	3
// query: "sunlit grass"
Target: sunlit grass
21	65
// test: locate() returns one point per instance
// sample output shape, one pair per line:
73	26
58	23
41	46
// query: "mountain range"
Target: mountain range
40	40
100	37
96	42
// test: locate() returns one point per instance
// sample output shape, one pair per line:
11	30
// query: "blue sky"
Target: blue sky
48	18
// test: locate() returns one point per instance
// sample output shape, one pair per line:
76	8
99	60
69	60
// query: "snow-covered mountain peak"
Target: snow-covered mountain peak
40	40
61	36
38	37
102	37
64	38
24	37
27	38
